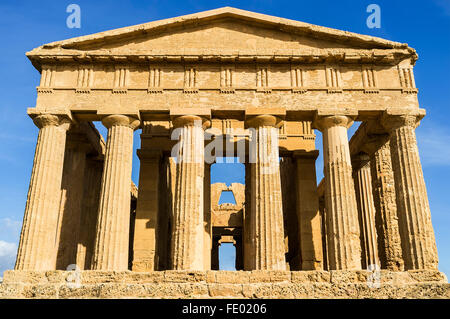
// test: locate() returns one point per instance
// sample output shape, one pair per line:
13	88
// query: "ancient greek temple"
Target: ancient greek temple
257	88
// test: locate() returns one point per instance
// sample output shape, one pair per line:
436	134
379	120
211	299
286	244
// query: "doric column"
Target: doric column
366	210
146	223
215	253
246	232
91	198
416	230
290	219
386	219
207	232
188	230
239	263
266	217
166	201
37	249
309	220
112	233
344	250
71	199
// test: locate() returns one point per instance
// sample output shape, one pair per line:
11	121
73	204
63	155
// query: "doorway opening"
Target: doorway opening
227	256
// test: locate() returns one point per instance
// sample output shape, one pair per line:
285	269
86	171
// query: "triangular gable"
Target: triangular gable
205	18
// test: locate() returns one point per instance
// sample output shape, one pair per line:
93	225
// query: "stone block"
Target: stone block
102	276
225	290
12	290
183	290
40	291
232	277
349	276
310	276
427	276
121	290
82	291
23	276
184	276
210	276
269	276
146	277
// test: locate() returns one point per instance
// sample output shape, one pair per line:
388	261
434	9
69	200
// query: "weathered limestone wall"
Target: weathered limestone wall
72	186
91	198
309	220
290	218
224	284
147	211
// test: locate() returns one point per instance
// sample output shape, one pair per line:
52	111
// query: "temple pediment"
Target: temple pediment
222	32
225	34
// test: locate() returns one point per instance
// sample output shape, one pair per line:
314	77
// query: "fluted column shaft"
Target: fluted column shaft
37	250
91	197
266	217
145	249
386	219
239	262
112	233
246	233
366	211
71	200
207	243
215	253
188	229
344	250
416	230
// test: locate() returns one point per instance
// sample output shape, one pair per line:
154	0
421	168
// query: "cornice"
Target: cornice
317	56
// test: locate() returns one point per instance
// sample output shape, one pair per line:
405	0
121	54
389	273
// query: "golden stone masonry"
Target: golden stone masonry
89	232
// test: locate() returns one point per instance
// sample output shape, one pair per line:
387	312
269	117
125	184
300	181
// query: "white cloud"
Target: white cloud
7	249
7	255
9	234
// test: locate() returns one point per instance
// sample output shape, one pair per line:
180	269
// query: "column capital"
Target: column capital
393	119
44	120
120	120
393	122
190	120
257	117
360	160
322	122
58	117
256	121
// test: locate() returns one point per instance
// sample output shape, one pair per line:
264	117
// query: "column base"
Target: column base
424	284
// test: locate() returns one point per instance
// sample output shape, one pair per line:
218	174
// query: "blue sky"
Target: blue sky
24	25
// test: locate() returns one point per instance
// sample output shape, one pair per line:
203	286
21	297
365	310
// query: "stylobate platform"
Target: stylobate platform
224	284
